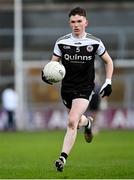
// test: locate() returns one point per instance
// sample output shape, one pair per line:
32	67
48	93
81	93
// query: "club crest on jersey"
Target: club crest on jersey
89	48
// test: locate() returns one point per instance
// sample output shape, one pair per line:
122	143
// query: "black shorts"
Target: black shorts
67	97
95	102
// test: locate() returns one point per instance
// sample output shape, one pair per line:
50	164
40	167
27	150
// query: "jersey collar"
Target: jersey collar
76	38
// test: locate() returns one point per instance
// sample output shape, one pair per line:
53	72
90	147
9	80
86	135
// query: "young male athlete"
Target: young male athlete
77	52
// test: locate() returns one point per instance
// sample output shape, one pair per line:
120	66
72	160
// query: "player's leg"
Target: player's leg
78	108
87	123
83	121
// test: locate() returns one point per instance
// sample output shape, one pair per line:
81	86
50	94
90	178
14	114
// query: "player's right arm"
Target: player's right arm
56	53
44	78
55	58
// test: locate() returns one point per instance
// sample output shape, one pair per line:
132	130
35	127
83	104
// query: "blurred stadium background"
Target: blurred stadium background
28	31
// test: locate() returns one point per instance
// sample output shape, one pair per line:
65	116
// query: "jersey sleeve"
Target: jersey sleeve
57	51
101	49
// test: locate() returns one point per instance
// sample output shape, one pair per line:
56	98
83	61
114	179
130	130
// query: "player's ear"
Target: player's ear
69	23
87	23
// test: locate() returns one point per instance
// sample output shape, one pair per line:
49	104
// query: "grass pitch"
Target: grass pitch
31	155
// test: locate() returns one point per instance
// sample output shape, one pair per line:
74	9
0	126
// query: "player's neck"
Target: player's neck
80	35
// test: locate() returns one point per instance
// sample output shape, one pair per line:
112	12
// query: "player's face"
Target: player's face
78	24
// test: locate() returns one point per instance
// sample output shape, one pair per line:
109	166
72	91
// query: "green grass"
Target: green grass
31	155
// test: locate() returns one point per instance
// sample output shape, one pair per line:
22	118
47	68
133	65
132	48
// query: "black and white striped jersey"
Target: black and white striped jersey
78	55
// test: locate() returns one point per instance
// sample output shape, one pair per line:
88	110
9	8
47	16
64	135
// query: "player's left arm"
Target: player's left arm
106	89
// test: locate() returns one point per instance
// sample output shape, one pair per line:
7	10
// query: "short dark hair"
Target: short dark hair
79	11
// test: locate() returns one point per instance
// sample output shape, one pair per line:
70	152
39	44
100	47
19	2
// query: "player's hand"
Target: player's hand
106	89
44	78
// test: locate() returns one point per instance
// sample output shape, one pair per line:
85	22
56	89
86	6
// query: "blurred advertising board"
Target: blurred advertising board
116	118
53	118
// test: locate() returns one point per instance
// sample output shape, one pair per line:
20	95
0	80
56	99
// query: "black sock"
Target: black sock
63	154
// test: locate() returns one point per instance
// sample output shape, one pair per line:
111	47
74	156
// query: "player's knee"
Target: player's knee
71	125
72	122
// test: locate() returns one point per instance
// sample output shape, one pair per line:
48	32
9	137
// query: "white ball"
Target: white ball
54	71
